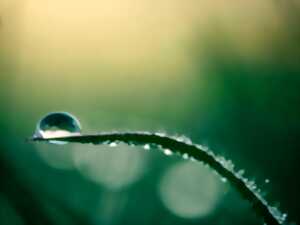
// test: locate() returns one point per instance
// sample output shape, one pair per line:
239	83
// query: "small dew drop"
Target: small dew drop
240	173
113	144
279	215
168	152
147	147
223	179
193	159
161	134
267	181
251	185
58	124
185	156
202	147
183	139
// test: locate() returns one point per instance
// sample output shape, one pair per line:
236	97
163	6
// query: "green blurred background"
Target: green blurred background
224	73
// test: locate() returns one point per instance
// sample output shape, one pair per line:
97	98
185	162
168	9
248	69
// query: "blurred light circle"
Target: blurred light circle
113	167
190	190
56	156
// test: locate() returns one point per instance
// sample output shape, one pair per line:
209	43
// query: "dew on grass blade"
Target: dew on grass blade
57	124
168	152
113	144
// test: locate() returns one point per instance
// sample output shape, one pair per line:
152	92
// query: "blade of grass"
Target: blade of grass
271	215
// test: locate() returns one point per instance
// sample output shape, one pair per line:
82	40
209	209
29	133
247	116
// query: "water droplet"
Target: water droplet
223	179
147	147
279	215
185	156
168	152
240	173
183	139
161	134
113	144
267	181
202	147
225	163
251	185
57	124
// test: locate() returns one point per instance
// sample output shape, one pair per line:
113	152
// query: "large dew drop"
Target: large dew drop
57	124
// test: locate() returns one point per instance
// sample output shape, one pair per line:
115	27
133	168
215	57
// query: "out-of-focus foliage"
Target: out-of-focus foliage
227	74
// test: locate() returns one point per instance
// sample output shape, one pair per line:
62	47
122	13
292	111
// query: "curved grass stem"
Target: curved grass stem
270	215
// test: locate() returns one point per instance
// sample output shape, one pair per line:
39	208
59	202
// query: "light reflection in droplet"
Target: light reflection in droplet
190	190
